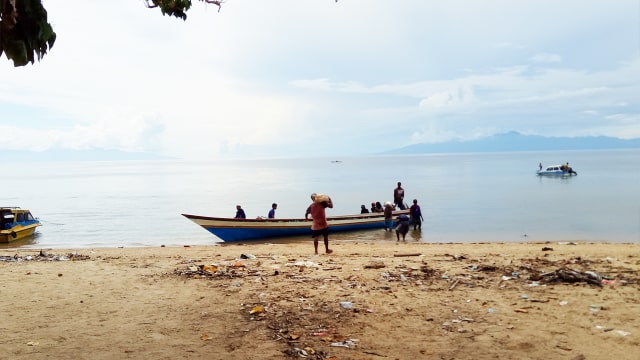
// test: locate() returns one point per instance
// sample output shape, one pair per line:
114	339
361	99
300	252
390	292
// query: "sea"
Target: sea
467	198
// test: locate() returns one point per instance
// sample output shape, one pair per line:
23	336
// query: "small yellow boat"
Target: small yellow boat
16	223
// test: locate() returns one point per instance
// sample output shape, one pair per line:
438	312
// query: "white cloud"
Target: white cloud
264	78
547	58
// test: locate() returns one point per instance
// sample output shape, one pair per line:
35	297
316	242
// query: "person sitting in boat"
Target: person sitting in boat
379	208
373	206
272	212
240	213
363	209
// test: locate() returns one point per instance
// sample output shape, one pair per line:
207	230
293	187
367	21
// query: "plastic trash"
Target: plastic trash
595	308
594	275
346	304
347	343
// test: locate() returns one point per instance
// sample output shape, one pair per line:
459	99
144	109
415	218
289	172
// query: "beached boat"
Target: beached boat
16	223
556	170
228	229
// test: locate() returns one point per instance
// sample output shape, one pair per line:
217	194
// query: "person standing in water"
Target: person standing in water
403	226
388	216
415	214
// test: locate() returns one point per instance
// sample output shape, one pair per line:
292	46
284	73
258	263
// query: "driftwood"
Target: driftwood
454	284
402	255
571	276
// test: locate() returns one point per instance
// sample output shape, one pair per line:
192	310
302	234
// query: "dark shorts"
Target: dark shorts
323	232
403	227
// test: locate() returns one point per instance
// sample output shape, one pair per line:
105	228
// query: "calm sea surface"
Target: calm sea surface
464	197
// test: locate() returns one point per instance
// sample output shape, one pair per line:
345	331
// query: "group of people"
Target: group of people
404	221
398	201
240	214
564	167
376	207
316	212
567	168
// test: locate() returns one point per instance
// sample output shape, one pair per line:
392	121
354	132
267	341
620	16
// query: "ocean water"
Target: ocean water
464	197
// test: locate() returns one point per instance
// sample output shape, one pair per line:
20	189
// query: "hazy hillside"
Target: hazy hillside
514	141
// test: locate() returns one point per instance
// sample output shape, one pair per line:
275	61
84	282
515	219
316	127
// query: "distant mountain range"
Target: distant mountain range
515	141
506	142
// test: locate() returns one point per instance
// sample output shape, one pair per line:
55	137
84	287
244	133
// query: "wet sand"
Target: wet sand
365	301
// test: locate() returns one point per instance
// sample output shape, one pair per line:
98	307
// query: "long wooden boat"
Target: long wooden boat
229	229
16	223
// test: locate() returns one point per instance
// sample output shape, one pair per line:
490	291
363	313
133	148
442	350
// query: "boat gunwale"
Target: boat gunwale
366	216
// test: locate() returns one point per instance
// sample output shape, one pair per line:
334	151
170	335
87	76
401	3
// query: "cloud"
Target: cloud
266	78
453	99
546	58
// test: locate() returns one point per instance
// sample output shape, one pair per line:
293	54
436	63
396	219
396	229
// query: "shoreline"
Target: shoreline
298	241
367	300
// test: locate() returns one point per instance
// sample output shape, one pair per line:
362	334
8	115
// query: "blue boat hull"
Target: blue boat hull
239	234
249	229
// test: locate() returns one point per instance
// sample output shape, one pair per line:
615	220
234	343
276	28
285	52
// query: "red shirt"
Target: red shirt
316	210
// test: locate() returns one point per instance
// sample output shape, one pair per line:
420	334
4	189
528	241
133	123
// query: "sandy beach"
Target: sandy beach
365	301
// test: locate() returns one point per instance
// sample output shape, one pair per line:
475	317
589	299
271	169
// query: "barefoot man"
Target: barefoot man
320	226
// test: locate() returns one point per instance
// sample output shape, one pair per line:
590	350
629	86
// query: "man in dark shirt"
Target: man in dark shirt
398	196
272	212
240	213
416	215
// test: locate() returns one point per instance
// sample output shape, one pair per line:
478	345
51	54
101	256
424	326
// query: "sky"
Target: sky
292	78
